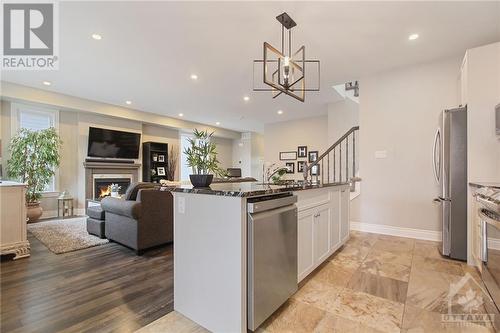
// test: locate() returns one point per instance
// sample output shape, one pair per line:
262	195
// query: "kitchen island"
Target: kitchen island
210	245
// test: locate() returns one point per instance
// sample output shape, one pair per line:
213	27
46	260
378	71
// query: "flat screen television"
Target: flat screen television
106	143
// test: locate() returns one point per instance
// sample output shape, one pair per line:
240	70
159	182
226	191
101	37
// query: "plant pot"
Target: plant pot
33	211
201	180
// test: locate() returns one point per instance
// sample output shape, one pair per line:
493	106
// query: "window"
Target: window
184	143
34	118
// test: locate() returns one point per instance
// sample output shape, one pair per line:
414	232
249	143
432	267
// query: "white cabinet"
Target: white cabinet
463	82
321	234
344	214
13	237
323	226
305	235
335	220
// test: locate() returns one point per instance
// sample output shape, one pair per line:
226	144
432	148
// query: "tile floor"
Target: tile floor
375	283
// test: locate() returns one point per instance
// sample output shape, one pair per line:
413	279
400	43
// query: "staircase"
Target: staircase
338	163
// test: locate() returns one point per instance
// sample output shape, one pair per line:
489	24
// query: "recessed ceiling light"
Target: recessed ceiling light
280	111
194	77
181	114
246	98
47	83
217	123
413	36
128	102
96	36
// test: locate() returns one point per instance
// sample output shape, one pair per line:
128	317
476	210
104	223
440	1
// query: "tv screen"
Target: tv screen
113	144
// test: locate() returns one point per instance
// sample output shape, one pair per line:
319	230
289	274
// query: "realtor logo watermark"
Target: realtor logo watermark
30	39
466	299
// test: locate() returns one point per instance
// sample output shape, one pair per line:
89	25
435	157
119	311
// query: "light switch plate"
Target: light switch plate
181	205
381	154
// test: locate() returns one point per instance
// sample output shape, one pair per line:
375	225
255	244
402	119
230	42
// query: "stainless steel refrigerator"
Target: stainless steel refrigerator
450	171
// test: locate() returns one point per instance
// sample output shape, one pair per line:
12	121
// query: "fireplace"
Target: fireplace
102	184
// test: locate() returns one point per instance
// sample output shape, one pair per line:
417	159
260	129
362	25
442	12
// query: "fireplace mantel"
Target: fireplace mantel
110	165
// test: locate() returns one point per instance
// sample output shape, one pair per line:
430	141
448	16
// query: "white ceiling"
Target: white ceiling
149	50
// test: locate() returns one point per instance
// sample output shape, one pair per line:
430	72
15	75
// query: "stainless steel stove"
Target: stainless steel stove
488	198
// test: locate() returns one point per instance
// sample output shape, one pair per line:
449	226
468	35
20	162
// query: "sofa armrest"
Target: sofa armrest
117	206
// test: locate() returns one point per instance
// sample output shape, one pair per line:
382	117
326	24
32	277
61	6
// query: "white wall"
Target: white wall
248	154
399	111
483	94
342	116
287	136
152	133
224	152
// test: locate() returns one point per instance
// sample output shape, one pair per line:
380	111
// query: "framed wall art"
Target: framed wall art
288	155
302	151
290	166
313	156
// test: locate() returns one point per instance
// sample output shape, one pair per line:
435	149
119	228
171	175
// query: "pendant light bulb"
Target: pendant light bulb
286	69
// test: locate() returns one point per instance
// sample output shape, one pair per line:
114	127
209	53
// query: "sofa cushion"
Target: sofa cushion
128	208
133	189
95	212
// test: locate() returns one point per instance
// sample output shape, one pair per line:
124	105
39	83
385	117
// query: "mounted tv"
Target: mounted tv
106	143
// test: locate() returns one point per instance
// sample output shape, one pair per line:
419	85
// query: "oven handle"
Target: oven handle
484	243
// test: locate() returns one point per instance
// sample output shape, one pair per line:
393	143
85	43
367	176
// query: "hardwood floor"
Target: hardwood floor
101	289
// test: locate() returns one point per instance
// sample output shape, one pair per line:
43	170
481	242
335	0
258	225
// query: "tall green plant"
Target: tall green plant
34	155
202	154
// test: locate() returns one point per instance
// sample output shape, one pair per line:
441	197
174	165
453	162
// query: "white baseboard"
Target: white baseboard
397	231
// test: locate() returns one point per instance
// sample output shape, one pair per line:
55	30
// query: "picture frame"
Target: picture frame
302	151
313	156
155	157
161	171
161	158
288	156
300	166
290	166
315	170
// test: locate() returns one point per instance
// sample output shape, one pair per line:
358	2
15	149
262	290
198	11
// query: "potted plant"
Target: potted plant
202	158
114	189
34	155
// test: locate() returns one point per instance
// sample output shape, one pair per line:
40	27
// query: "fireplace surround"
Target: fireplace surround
112	172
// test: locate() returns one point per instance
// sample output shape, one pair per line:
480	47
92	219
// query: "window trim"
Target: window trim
15	109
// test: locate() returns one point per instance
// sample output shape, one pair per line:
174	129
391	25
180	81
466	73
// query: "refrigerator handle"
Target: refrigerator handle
436	167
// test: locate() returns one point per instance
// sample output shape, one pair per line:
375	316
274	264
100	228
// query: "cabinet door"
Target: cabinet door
335	220
344	214
321	234
305	243
463	82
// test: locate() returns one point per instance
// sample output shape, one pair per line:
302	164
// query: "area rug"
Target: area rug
61	236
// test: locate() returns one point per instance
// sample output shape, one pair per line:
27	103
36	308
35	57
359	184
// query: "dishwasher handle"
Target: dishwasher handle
262	206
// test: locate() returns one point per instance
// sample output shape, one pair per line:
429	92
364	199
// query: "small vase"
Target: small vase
33	211
115	194
201	180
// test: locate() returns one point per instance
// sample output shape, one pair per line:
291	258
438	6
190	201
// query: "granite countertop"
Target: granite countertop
247	189
485	184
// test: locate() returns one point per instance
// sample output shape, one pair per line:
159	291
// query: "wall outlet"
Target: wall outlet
381	154
181	205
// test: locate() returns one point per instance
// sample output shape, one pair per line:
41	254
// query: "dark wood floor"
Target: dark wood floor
101	289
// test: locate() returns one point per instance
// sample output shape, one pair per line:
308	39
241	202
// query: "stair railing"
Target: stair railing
341	172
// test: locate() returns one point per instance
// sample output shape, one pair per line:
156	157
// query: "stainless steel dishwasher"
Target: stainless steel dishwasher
271	253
